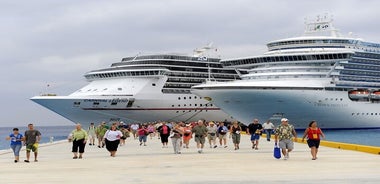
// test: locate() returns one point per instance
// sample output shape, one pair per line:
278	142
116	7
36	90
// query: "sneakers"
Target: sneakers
215	146
27	161
286	157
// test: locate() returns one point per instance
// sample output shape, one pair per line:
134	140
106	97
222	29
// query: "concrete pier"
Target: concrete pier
153	164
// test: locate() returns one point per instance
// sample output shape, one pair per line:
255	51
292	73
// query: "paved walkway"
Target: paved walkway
154	164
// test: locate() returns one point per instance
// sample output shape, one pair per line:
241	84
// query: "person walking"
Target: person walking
164	131
32	138
235	131
16	143
211	134
91	134
284	133
142	132
177	137
200	133
187	134
100	131
79	138
222	134
255	129
112	139
268	129
313	134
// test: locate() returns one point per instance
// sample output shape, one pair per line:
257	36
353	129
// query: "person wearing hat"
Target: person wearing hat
211	136
284	133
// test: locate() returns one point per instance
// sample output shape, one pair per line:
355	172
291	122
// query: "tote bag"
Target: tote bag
276	151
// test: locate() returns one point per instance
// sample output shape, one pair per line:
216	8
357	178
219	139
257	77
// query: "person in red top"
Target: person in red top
314	134
164	131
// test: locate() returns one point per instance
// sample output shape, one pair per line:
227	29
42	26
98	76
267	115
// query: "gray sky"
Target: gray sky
55	42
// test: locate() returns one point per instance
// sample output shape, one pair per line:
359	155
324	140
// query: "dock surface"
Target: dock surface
153	164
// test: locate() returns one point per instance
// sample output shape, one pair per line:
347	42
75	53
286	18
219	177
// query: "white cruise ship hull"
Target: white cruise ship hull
165	107
331	109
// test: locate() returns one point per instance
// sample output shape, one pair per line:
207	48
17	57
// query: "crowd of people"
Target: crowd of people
180	133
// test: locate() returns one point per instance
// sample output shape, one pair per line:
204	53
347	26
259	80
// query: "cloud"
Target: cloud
56	42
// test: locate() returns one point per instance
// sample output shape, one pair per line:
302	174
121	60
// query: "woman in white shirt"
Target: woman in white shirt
112	139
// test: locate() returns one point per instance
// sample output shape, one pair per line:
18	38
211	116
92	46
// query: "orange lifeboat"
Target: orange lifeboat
359	95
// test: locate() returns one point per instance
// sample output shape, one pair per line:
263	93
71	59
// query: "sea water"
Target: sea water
48	133
369	137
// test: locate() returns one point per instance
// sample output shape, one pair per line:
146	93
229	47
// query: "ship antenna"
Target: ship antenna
137	55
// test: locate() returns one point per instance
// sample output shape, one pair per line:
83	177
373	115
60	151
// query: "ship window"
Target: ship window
153	84
179	98
184	105
195	97
195	104
114	103
172	105
119	89
177	112
105	89
179	105
184	98
96	103
189	97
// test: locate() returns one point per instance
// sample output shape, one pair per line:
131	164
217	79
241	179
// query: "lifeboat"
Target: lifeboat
375	95
359	95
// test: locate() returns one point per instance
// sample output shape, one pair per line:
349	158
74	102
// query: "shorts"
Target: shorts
313	143
211	137
236	138
286	144
255	137
224	136
200	139
32	147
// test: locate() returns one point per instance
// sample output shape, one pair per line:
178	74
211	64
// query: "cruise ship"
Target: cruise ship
145	88
321	75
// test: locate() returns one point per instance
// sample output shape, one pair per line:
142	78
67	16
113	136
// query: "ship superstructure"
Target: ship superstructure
144	88
321	76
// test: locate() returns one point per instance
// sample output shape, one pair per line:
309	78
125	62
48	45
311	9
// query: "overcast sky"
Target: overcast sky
55	42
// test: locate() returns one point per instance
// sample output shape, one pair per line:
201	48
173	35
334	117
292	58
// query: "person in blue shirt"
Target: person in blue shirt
16	143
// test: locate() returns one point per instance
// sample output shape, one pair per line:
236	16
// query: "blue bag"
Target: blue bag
276	151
